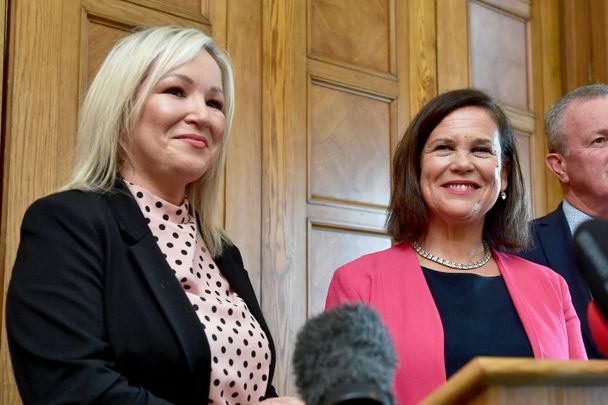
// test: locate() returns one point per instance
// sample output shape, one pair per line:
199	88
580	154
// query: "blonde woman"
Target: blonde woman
125	288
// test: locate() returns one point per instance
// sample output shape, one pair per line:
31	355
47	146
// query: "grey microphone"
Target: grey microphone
345	356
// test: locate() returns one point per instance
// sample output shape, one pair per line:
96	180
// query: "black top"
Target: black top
478	317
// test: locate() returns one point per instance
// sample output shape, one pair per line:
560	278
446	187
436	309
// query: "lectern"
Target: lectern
496	380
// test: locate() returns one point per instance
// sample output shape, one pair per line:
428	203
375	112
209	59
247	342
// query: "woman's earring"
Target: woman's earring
503	195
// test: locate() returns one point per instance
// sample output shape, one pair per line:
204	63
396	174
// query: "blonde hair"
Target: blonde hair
114	102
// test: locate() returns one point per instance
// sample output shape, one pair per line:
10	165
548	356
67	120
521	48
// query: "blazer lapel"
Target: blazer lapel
162	282
554	236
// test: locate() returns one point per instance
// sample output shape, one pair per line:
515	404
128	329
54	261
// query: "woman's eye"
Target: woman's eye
176	91
218	105
442	147
482	150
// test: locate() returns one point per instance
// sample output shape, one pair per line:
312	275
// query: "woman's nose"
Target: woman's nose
461	160
198	112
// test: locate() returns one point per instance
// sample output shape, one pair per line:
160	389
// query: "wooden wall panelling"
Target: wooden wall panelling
576	43
349	145
32	118
402	69
422	53
356	110
499	54
188	9
453	53
547	58
599	41
360	38
334	246
284	177
584	40
243	173
515	7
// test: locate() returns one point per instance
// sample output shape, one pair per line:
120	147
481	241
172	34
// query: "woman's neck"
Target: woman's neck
172	193
460	243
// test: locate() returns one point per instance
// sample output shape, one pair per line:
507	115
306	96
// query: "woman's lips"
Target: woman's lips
461	187
196	141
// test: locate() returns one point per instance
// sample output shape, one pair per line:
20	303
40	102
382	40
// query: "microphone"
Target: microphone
345	356
591	254
598	327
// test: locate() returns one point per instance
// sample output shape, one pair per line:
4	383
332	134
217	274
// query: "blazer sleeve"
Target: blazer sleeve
55	307
576	346
343	288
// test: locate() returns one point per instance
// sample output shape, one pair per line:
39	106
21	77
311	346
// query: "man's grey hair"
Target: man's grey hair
555	116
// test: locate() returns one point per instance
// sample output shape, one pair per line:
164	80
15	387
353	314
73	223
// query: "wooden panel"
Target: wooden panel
423	53
546	54
243	192
31	144
599	41
101	38
331	248
355	32
195	9
452	45
517	7
349	146
499	55
193	6
357	80
284	177
576	43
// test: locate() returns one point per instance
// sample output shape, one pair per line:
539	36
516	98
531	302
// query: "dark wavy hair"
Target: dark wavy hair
505	225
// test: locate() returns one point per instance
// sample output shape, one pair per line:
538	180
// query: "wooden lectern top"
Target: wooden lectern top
500	380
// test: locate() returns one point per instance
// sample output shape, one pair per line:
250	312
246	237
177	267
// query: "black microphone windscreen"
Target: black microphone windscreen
343	352
591	253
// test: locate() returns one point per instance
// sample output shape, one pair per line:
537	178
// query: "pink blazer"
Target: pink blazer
392	282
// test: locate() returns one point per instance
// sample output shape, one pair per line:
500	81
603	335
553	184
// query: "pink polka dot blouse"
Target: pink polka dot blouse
239	347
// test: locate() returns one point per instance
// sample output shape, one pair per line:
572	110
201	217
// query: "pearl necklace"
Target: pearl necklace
448	263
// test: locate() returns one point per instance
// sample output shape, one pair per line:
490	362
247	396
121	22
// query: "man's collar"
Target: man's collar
574	216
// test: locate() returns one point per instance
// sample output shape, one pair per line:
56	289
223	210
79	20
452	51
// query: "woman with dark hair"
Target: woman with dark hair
447	291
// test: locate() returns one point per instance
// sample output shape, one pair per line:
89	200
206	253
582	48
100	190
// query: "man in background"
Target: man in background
577	138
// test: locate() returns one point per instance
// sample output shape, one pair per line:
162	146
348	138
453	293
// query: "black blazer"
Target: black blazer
95	314
552	247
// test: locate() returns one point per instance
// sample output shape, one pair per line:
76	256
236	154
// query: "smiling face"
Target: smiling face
178	135
461	169
583	169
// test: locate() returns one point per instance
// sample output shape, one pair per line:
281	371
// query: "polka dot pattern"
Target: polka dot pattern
240	353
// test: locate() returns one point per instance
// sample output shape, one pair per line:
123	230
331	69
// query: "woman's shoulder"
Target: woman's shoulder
522	266
383	260
66	204
67	197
